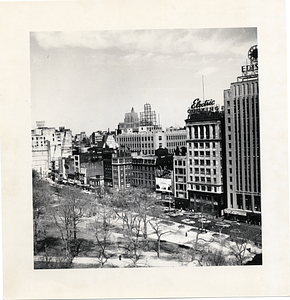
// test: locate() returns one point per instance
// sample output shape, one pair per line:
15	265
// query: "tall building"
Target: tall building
41	161
64	139
243	143
180	181
50	144
143	171
131	122
205	156
108	169
122	169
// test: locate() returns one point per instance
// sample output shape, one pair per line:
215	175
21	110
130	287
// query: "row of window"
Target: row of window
175	144
150	152
180	171
203	179
41	145
40	137
179	162
145	175
141	182
176	137
135	138
143	168
207	145
143	161
204	188
204	153
245	89
204	131
248	204
203	162
205	171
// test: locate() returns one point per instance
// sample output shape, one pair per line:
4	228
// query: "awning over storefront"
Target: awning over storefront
235	212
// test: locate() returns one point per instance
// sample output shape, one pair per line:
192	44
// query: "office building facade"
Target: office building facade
121	170
205	157
243	143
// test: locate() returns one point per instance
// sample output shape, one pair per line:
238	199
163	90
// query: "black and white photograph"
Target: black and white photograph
146	148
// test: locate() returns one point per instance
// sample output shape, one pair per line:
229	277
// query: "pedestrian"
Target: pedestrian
120	257
186	233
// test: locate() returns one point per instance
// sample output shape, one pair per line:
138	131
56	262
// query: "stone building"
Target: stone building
205	158
242	135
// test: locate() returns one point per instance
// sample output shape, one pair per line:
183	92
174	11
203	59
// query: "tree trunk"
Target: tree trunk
145	228
75	229
35	238
158	246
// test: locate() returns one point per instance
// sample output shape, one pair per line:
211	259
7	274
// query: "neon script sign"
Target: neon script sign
197	104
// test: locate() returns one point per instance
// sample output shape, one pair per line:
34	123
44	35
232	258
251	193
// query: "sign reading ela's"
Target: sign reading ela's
197	104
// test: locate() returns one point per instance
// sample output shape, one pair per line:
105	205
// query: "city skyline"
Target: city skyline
87	81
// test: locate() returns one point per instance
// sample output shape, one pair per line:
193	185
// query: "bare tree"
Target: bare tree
133	235
241	240
144	203
67	214
102	227
42	193
203	253
121	202
125	206
158	226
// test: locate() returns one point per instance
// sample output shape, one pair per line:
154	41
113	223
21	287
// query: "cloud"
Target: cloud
162	42
182	48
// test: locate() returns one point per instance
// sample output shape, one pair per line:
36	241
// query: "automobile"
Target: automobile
236	223
203	220
173	214
188	221
222	224
179	213
164	216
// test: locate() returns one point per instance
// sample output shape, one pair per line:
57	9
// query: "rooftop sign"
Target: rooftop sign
197	104
251	70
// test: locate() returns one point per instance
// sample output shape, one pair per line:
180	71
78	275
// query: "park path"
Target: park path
177	234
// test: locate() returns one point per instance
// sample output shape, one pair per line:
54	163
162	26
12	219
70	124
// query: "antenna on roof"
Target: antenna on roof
202	88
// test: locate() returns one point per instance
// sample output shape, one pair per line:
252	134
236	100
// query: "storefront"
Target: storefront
242	216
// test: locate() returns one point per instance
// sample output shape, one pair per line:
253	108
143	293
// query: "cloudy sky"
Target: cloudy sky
87	81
